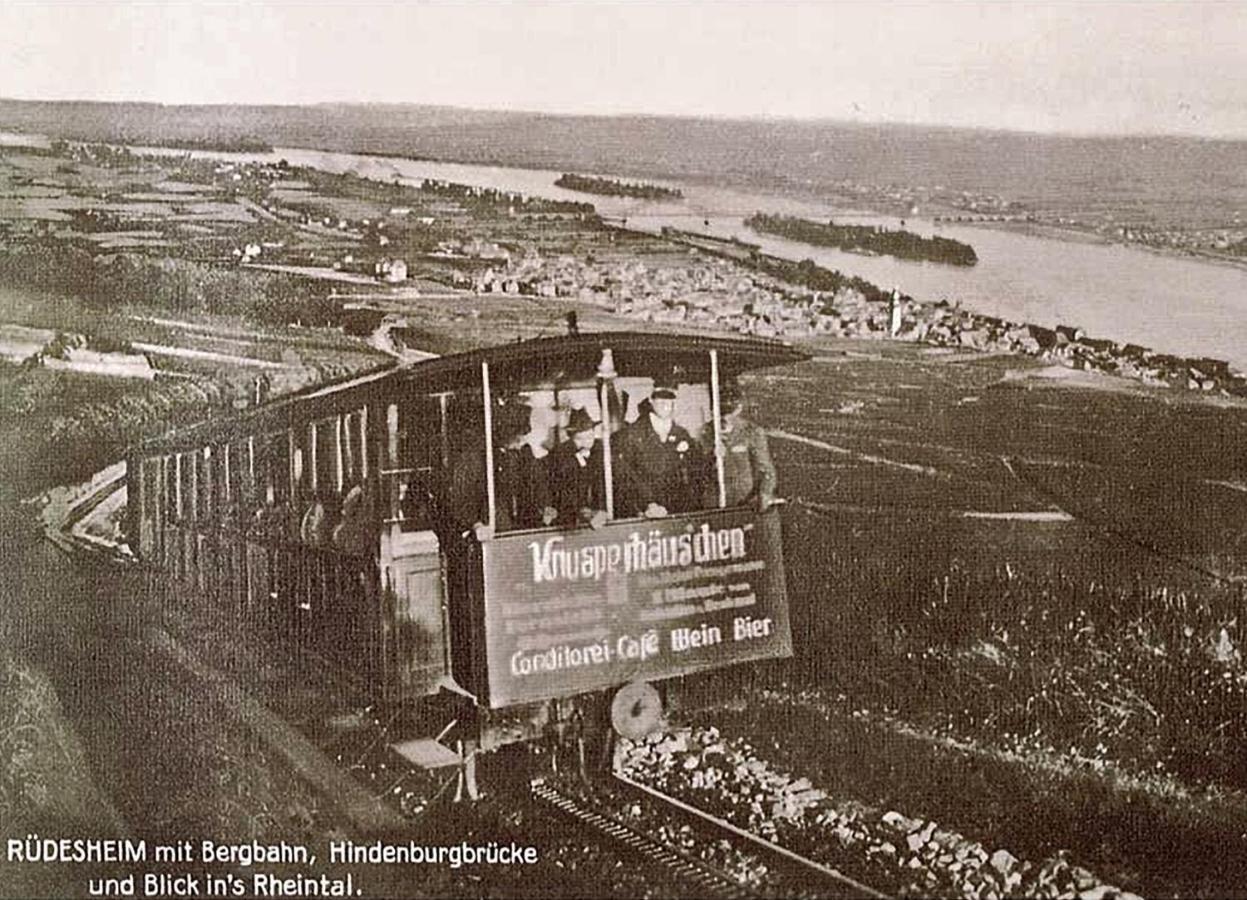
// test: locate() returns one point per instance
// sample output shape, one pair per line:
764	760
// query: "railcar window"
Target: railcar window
465	419
326	454
186	486
296	440
227	481
319	497
411	467
464	497
241	482
527	427
221	484
151	504
149	475
354	453
173	509
339	465
277	468
252	480
346	442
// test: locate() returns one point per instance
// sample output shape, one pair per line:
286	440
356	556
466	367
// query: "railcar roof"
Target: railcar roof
634	352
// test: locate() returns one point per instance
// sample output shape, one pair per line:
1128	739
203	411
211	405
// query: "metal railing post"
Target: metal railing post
489	443
717	413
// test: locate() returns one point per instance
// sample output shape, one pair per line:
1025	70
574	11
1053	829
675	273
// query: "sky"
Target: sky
1093	66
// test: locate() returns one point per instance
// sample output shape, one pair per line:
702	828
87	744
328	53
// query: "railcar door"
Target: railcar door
412	573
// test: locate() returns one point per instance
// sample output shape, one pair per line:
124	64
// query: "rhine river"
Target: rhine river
1128	294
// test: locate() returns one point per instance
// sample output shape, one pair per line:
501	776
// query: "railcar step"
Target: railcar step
427	753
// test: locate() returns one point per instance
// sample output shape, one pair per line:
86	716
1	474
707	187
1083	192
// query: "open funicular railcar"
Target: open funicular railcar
340	521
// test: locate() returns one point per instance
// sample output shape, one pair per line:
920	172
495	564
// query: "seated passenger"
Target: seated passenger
315	527
355	532
576	474
661	468
271	521
748	473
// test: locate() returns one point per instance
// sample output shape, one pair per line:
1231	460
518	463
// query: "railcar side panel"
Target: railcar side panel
412	578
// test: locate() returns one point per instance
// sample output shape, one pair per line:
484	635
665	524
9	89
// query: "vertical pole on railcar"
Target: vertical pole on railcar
177	485
363	443
717	411
294	471
607	471
337	452
444	435
489	441
313	453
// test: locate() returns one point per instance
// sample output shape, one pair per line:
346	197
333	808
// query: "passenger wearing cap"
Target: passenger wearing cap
661	467
748	473
576	474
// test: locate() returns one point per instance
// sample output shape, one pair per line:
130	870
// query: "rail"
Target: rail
805	877
803	866
699	876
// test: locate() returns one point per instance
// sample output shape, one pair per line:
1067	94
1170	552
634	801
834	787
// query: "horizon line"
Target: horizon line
710	116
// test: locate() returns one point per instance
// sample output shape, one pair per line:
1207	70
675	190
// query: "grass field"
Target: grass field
1115	631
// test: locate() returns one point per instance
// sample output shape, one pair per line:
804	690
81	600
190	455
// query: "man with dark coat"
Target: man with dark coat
576	474
521	479
523	483
661	469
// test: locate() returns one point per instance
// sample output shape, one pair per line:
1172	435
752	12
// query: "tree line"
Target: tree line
866	238
588	184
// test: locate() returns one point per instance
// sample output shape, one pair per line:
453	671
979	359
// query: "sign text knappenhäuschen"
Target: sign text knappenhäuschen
581	610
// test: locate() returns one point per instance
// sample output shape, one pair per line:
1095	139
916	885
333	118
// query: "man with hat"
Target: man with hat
661	467
748	473
576	474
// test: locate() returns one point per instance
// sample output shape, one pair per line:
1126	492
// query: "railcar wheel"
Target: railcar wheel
636	710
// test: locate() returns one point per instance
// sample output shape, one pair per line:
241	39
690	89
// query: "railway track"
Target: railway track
698	876
787	874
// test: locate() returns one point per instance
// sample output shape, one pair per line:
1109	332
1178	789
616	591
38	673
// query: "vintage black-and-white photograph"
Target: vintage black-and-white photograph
623	449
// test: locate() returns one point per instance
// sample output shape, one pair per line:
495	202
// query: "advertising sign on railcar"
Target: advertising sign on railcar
574	611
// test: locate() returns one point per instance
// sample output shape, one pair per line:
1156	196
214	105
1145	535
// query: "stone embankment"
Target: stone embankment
887	849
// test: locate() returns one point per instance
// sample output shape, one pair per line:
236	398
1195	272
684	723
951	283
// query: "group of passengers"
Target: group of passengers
345	526
659	469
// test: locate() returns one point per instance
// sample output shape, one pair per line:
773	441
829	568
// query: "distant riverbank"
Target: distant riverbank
1074	235
849	202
